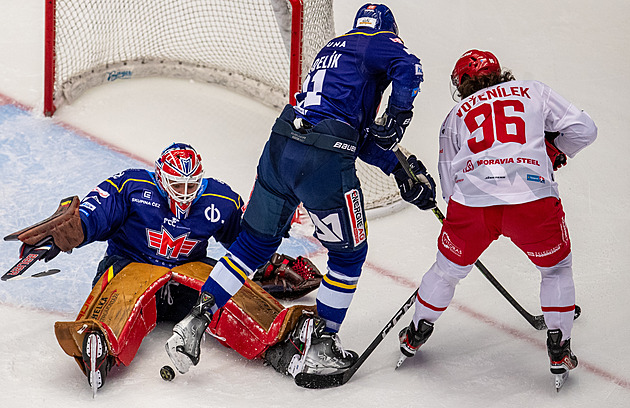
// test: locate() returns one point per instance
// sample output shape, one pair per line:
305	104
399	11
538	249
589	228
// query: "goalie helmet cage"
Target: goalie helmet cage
259	48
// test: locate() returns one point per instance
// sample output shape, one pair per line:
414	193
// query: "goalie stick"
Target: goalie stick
23	264
308	380
538	321
41	274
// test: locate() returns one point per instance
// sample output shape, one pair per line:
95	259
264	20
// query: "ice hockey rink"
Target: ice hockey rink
482	353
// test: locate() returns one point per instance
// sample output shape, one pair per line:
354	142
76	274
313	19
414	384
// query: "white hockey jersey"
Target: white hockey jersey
492	144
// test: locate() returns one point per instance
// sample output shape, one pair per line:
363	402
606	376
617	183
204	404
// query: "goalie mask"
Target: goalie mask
377	17
179	174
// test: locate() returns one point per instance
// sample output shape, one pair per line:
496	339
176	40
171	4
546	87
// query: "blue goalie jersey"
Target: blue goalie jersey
130	211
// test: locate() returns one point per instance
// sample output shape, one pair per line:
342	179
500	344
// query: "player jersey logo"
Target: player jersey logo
169	247
536	178
327	229
100	192
469	167
212	213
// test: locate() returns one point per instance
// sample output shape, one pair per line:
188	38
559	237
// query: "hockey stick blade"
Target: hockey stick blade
23	264
318	381
538	322
41	274
47	272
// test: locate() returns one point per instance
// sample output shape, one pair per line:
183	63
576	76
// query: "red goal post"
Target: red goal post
260	48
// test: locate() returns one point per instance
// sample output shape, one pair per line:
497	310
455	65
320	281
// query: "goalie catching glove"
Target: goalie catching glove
288	278
419	193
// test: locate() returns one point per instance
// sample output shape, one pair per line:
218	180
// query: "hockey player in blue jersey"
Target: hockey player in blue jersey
310	158
157	226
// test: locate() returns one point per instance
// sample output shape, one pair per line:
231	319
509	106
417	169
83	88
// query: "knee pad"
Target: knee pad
347	264
450	271
565	264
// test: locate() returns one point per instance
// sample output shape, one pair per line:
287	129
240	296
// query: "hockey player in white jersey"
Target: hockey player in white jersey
499	147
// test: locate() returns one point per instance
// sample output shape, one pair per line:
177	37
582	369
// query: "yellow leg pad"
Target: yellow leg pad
122	308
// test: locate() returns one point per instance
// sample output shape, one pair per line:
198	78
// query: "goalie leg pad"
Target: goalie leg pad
123	309
252	321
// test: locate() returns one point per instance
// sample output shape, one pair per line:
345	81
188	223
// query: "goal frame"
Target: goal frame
380	191
295	53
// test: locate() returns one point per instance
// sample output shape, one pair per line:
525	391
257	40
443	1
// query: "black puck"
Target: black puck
167	373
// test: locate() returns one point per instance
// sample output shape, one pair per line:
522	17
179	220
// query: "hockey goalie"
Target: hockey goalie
157	226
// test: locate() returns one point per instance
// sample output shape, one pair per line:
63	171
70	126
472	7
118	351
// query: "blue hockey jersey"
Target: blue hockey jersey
347	80
130	211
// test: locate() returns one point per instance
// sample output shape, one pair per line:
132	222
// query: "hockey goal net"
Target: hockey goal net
256	47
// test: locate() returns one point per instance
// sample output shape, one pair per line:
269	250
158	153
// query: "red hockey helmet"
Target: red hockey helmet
474	63
179	173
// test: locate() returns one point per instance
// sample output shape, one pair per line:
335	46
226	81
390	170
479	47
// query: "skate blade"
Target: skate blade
400	361
181	361
560	380
93	340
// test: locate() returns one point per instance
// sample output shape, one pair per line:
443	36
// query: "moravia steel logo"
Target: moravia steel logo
170	247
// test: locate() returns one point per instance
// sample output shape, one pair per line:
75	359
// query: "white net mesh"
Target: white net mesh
241	44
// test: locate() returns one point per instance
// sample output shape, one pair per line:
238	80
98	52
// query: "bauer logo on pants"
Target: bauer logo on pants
357	218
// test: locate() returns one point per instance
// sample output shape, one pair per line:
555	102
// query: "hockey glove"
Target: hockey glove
557	157
287	278
420	194
389	129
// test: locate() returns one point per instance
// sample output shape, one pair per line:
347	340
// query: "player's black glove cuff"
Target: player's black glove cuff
421	194
557	157
389	131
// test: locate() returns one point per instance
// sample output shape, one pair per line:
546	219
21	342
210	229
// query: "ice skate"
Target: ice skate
94	354
411	339
561	358
322	352
184	346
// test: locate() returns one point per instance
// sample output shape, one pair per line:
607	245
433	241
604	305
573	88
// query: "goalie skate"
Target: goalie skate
95	360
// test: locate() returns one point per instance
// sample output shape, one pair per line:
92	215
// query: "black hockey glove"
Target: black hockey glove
389	129
557	157
420	194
